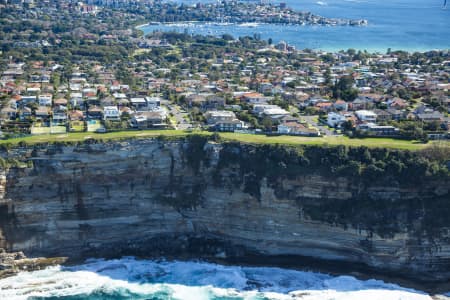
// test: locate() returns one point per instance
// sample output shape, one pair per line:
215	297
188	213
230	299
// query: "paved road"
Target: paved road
324	129
178	115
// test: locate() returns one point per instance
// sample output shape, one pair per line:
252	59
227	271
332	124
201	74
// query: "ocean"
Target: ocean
130	278
412	25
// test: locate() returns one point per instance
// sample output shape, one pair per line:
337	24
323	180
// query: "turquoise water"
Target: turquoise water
414	25
129	278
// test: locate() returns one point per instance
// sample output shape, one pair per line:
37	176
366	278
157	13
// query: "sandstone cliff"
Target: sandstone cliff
181	197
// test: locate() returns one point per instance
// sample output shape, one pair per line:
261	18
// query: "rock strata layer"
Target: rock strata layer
204	199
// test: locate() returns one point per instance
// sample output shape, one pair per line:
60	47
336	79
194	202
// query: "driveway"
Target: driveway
324	129
179	115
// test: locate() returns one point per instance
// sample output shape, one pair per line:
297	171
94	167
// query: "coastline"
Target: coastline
303	264
294	36
140	275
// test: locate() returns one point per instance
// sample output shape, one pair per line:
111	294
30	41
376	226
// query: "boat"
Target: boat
251	25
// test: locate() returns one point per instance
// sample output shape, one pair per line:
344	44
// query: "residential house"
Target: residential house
383	115
362	103
111	113
153	102
108	101
89	92
45	100
255	98
378	130
119	96
335	119
324	106
42	113
215	116
397	103
366	116
93	101
340	105
139	104
33	91
61	103
214	103
25	113
434	116
59	116
265	88
76	115
396	114
76	100
295	128
229	125
148	119
8	113
95	112
27	99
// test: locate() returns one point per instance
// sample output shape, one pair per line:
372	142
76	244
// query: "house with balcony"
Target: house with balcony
366	116
111	113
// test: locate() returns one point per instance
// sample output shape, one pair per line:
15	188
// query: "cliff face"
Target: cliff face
155	197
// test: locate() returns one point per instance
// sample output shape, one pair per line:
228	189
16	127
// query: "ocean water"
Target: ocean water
413	25
129	278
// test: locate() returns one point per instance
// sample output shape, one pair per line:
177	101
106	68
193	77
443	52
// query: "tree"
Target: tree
328	78
351	52
344	89
267	123
347	125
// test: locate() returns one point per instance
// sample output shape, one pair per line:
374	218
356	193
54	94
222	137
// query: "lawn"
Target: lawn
327	140
240	137
80	136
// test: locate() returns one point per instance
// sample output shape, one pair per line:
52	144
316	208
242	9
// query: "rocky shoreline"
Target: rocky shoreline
12	263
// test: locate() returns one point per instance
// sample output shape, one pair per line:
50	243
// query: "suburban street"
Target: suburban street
324	129
179	116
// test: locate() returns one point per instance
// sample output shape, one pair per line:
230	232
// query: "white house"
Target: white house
271	111
119	96
293	128
275	113
28	99
366	116
45	100
153	102
215	116
76	99
139	104
111	113
335	119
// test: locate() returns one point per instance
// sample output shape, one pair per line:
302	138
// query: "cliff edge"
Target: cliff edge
386	210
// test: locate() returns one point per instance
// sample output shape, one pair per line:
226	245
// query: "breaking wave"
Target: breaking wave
130	278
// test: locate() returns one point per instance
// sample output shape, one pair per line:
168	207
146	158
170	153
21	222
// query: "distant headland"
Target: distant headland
242	12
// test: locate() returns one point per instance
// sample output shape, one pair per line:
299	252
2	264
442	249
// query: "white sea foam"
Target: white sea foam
135	279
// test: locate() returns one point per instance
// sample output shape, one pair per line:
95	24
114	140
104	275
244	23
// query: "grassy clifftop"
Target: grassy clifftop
245	138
